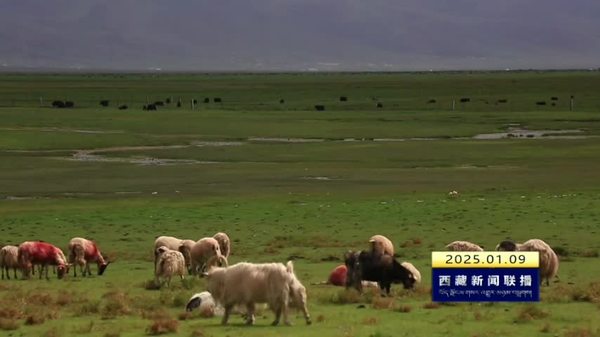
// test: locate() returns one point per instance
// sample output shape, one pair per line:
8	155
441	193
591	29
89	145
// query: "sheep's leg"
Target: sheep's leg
15	272
87	269
250	308
3	273
226	314
7	273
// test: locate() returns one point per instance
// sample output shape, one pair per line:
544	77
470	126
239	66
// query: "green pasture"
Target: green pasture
288	182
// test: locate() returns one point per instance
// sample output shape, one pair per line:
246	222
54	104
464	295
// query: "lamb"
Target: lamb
82	252
170	263
247	283
463	246
383	269
9	258
415	274
203	250
224	243
173	243
548	259
381	245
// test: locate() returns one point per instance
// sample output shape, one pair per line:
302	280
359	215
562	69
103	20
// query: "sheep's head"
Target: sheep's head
102	267
507	246
62	270
161	250
216	261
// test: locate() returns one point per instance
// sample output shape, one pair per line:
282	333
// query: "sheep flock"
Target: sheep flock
245	286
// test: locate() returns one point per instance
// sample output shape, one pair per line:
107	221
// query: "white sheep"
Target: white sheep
182	245
9	258
381	245
247	284
224	243
548	259
463	246
203	250
415	274
170	263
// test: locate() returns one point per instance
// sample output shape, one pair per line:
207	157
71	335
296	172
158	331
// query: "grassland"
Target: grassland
287	181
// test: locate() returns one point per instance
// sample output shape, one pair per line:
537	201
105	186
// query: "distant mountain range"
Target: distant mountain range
298	35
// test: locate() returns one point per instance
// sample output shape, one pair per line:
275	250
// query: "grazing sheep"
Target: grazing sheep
82	252
463	246
44	254
202	251
247	284
170	263
453	194
548	259
415	274
297	293
381	245
383	269
9	258
224	243
173	243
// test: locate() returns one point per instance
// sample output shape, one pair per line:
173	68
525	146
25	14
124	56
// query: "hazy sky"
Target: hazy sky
299	34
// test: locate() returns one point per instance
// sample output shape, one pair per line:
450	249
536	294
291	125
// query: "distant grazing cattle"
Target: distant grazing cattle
69	104
123	107
195	101
150	107
379	105
465	100
554	98
104	102
540	103
281	101
168	100
431	101
159	103
502	100
319	107
58	104
217	100
343	99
